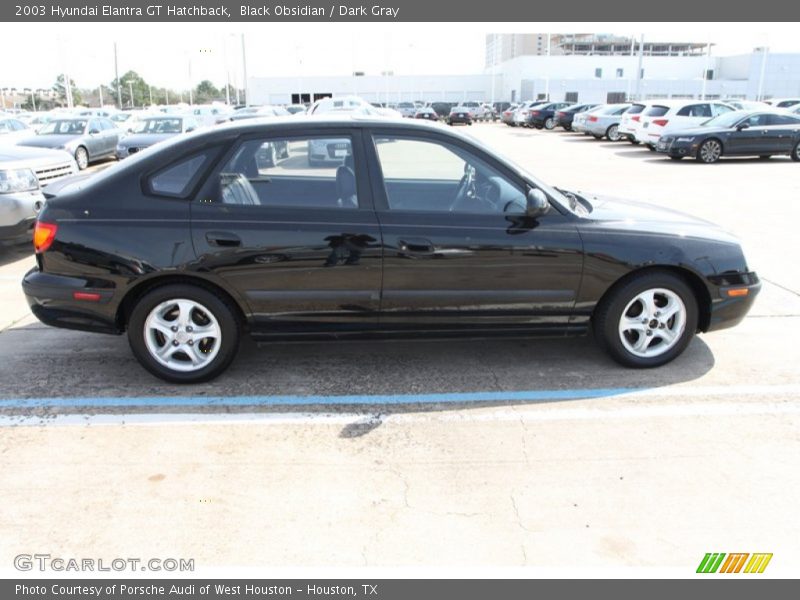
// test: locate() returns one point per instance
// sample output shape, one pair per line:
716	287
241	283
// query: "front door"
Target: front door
287	221
459	250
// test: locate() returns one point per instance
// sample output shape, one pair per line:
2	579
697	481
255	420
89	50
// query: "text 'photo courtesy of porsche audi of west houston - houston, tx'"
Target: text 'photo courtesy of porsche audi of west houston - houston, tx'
407	228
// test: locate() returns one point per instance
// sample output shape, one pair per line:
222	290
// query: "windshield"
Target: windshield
158	126
728	119
61	127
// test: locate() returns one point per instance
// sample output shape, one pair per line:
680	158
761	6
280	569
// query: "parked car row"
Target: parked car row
705	130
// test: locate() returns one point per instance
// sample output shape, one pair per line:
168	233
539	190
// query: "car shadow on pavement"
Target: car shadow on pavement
14	252
48	372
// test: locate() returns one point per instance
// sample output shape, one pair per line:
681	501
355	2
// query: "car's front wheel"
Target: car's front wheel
183	333
796	152
648	320
82	158
709	151
613	133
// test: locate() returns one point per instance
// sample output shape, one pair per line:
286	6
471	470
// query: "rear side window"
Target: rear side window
788	103
656	110
695	110
783	120
176	179
635	109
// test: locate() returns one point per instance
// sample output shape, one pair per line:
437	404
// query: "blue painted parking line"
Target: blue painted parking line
387	399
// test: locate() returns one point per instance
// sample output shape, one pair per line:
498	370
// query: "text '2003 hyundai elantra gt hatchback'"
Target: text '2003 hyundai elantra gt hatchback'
406	229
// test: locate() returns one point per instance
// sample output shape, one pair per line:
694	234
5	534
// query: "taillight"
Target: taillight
535	112
560	114
636	118
43	236
593	119
660	122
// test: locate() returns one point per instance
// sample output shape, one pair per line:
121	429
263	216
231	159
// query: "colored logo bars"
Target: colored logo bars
713	562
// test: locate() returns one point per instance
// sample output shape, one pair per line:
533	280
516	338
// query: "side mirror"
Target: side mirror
538	204
94	131
741	126
188	129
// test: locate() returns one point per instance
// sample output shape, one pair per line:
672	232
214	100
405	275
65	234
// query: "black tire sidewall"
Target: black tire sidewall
222	311
607	316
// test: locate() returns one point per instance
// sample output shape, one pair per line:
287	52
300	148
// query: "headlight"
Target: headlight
685	139
18	180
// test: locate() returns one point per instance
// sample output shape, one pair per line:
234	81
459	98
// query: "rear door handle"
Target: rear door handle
416	246
223	239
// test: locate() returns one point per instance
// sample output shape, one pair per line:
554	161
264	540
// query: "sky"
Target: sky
166	53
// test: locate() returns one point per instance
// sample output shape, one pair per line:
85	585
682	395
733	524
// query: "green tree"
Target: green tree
206	92
131	82
60	89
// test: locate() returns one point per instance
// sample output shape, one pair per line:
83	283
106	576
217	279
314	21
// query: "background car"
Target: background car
543	115
740	104
603	121
522	114
255	112
737	133
442	108
565	115
153	130
12	130
427	113
507	116
406	109
86	139
663	117
23	174
783	102
631	121
459	114
296	109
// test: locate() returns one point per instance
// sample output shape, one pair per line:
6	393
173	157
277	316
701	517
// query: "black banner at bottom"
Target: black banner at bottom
393	589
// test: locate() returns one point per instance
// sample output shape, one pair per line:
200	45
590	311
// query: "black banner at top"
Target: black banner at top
397	11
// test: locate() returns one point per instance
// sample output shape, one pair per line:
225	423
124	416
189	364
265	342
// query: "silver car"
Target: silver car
23	173
152	130
86	139
601	122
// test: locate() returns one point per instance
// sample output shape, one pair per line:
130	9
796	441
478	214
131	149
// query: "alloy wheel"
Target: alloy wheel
82	158
182	335
613	133
652	322
710	151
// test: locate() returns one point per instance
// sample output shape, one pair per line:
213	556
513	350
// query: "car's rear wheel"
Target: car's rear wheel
709	151
612	133
648	320
597	137
796	152
183	333
81	158
550	123
567	127
633	141
676	157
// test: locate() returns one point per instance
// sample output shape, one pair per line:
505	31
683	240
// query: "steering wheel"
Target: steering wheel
466	188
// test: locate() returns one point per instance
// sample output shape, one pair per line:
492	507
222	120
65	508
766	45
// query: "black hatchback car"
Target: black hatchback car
738	133
409	230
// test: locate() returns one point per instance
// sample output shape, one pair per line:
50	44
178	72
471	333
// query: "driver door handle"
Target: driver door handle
416	247
223	239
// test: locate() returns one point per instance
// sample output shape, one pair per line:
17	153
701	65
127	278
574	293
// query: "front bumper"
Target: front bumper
17	214
732	302
674	148
52	299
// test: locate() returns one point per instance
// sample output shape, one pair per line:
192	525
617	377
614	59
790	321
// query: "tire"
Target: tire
597	137
765	157
709	151
676	157
550	124
612	133
633	141
796	152
623	306
190	307
567	127
81	157
651	148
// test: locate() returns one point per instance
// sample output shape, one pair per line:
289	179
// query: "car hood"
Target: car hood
49	141
12	157
144	139
640	217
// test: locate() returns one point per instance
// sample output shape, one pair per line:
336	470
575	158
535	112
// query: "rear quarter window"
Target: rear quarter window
656	111
176	179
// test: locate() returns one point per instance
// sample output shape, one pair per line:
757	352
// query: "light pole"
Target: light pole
130	87
151	95
227	71
244	75
100	90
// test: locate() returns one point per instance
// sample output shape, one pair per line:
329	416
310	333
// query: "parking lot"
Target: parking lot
502	453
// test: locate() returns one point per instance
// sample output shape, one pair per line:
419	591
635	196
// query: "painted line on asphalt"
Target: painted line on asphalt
523	396
505	414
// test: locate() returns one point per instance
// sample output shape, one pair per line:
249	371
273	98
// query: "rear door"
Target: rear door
783	131
296	238
459	250
752	139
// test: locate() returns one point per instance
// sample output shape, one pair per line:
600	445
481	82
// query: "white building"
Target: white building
585	78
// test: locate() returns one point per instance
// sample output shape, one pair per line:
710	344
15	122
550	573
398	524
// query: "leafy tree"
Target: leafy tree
60	89
131	82
206	92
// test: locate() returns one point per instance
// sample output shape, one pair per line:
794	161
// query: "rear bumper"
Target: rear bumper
52	301
728	310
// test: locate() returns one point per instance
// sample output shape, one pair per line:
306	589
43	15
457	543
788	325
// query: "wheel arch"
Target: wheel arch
141	288
695	282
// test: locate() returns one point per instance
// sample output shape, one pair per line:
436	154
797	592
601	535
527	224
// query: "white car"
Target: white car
523	111
783	102
632	120
665	116
13	130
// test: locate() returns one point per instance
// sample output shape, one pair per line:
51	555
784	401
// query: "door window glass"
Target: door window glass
313	172
427	175
175	179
